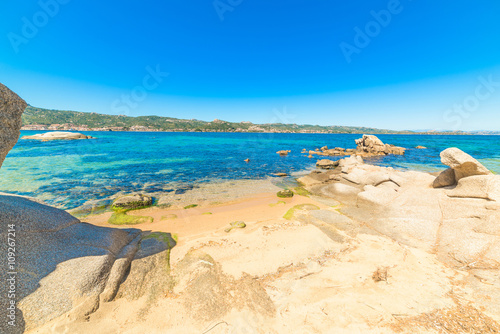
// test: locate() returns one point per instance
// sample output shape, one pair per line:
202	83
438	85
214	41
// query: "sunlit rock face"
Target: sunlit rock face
11	109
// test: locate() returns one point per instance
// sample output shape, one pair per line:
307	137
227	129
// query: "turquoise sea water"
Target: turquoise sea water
66	174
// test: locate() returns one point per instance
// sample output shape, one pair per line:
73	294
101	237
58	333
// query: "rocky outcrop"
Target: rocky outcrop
63	265
372	145
58	266
459	223
283	152
11	108
463	164
367	146
326	164
58	135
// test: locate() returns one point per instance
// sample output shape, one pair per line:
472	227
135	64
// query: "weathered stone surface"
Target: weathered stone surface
445	179
11	108
362	177
373	196
463	164
60	266
372	145
327	164
133	201
63	265
348	163
368	145
58	135
340	191
478	186
283	152
150	268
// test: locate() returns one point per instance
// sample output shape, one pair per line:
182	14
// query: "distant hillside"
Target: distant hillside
39	119
47	119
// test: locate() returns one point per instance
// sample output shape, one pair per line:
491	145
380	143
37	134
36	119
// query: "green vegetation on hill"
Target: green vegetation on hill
74	119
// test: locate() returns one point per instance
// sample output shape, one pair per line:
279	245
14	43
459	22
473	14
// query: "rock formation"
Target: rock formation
59	266
58	135
367	146
11	108
463	164
326	164
372	145
458	223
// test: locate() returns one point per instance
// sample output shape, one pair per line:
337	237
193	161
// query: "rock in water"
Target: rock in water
58	135
11	108
463	164
372	145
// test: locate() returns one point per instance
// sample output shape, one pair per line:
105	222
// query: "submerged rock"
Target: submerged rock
372	145
58	135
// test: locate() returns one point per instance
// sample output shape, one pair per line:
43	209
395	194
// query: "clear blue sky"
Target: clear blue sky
300	61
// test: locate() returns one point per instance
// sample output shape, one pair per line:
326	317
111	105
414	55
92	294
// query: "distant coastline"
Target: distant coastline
40	119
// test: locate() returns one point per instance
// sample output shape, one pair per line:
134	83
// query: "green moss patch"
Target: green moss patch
238	224
121	218
207	213
291	213
190	206
301	191
169	217
278	203
169	239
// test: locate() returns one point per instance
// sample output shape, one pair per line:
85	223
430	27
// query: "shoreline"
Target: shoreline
277	132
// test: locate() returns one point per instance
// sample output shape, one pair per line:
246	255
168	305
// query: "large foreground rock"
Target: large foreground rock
11	108
58	135
463	164
63	266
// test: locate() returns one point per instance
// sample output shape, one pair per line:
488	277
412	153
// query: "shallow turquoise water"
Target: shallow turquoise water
69	173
